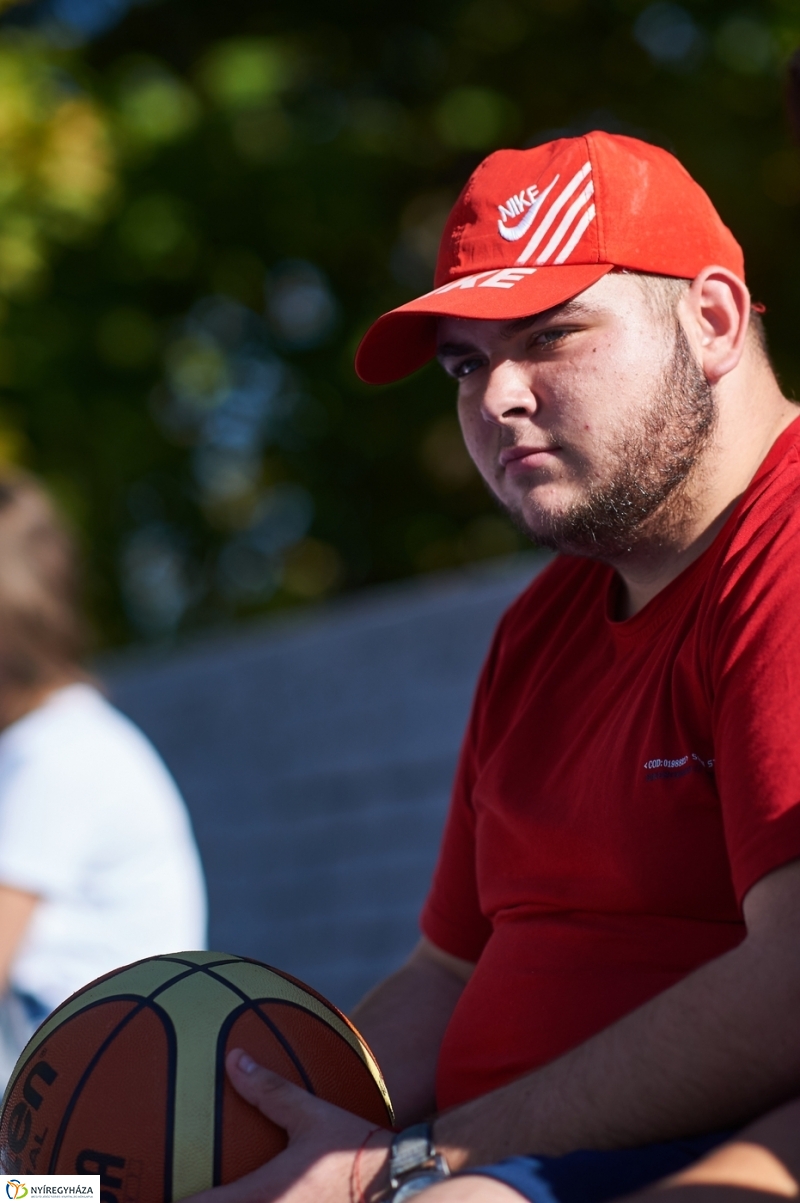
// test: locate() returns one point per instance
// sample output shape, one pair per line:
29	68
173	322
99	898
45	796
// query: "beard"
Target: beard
641	499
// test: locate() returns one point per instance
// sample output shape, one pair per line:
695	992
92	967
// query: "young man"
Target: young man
609	959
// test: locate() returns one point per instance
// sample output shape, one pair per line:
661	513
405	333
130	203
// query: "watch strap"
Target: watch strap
412	1149
414	1164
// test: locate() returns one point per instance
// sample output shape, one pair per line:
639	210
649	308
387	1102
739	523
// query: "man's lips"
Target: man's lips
519	458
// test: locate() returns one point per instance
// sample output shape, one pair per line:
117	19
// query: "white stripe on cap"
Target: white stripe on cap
577	234
566	222
553	211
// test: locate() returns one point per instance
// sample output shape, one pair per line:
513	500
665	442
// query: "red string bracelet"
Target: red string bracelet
356	1189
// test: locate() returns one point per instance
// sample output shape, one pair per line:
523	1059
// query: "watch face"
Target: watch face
416	1185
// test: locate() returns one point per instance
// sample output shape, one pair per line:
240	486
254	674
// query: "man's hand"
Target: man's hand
319	1165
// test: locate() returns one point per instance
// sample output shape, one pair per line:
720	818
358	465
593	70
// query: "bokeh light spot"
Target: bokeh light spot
300	307
154	226
311	569
744	45
668	33
154	106
473	118
156	578
244	72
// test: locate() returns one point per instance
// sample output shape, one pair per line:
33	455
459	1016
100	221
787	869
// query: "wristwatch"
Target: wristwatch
414	1163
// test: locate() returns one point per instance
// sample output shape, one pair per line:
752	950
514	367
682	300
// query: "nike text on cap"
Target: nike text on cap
533	228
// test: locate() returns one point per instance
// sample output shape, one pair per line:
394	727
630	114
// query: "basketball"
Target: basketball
126	1079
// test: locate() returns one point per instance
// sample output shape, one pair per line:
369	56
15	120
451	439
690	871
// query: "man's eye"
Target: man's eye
465	367
549	338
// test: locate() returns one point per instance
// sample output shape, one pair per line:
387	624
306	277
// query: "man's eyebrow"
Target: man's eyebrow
573	308
450	350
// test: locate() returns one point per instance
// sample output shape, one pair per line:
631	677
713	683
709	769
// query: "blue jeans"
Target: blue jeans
593	1177
20	1016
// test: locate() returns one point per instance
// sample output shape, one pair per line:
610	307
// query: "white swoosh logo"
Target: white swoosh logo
517	232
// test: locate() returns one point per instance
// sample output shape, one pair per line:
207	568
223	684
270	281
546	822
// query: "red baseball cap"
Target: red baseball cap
533	228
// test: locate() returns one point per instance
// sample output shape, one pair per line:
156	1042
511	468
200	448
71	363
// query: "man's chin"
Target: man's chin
540	528
561	532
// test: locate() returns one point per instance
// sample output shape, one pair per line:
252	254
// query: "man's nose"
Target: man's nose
508	395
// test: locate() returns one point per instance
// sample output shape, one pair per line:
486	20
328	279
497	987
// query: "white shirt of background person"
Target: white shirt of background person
98	864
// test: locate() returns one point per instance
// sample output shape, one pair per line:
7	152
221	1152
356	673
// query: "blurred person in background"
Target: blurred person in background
98	864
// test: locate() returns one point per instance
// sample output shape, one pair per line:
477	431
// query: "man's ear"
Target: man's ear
716	313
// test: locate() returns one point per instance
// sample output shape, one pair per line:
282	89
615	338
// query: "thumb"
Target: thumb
289	1106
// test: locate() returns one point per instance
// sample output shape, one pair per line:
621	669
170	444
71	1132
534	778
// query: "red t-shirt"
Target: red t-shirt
621	786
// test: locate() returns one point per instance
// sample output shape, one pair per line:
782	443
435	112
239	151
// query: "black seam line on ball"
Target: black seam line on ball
249	1002
255	1002
169	1032
190	970
176	959
222	1037
253	1005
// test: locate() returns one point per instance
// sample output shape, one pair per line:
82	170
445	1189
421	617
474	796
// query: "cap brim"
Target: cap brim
403	340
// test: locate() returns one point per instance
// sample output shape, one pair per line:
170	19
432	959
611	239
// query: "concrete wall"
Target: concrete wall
316	755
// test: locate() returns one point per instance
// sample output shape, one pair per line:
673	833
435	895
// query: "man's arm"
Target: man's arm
404	1019
711	1052
760	1163
16	912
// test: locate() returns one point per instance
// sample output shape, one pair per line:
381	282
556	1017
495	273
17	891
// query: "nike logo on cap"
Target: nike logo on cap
518	204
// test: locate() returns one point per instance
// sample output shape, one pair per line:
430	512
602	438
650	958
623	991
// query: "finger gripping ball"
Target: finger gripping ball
126	1079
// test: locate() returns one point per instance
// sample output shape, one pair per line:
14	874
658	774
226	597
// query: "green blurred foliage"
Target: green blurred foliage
201	212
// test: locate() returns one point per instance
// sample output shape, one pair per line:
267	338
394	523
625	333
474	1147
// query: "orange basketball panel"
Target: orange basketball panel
246	1139
120	1120
44	1085
334	1069
301	1047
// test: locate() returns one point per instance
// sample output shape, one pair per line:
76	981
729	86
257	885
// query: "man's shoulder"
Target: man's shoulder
753	566
769	507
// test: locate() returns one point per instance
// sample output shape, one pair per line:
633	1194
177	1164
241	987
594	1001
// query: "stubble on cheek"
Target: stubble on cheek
637	493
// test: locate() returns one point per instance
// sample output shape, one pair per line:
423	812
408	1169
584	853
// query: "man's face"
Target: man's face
588	422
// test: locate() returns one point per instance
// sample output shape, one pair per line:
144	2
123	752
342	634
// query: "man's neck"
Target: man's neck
652	565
